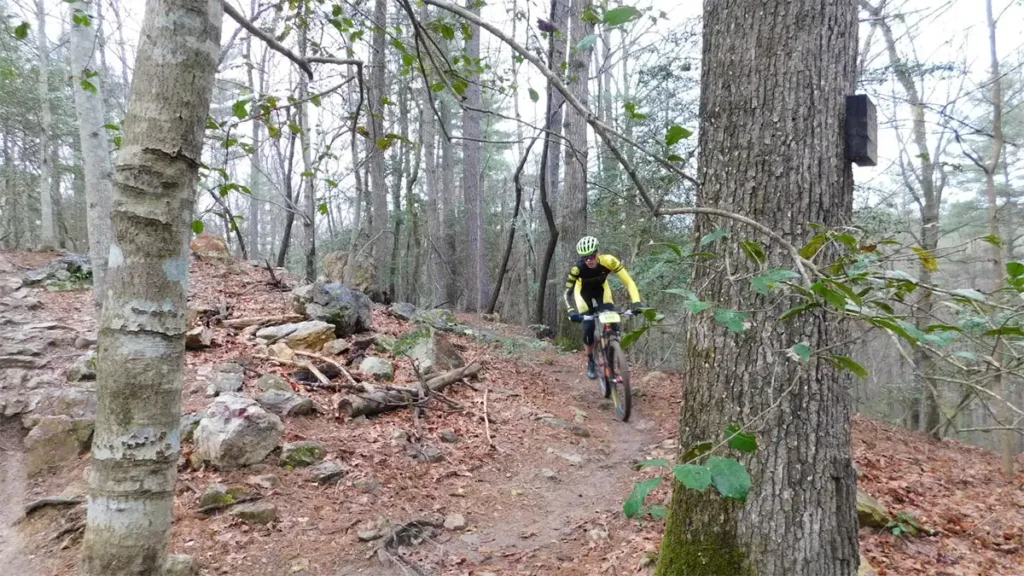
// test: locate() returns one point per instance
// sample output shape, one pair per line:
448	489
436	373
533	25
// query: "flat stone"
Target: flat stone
84	342
378	368
455	521
221	496
83	369
399	437
368	535
180	565
57	441
273	382
336	347
328	472
300	454
255	512
447	436
309	336
368	485
281	351
548	474
265	481
228	378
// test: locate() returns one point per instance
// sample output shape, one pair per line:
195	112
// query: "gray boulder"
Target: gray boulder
273	382
403	311
348	310
378	368
84	369
236	432
328	472
189	423
286	403
431	351
255	512
229	378
71	267
438	319
57	441
300	454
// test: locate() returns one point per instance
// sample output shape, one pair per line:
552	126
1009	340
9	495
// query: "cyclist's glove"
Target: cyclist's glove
575	317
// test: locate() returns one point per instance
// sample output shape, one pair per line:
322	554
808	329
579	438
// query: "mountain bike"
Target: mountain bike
613	377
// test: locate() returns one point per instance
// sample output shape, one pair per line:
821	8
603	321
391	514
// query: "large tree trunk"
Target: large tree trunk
400	168
309	213
428	134
475	275
95	153
573	214
290	205
142	328
254	158
800	517
47	237
381	248
448	220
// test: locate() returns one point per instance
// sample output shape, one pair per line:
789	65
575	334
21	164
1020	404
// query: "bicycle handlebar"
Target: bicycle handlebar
626	313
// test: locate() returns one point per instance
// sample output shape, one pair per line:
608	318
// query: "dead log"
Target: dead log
385	398
261	321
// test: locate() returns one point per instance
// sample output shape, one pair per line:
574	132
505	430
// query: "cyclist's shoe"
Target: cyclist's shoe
591	368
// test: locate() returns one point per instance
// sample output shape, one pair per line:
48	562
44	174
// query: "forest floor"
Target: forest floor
540	483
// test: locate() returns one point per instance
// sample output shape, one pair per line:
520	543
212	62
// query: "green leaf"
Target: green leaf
322	208
693	476
771	279
675	134
717	234
534	95
620	16
398	45
674	158
696	451
800	352
408	60
927	260
969	294
696	306
829	295
21	31
658	511
1015	270
640	492
114	127
631	338
812	247
315	100
591	17
239	109
652	463
1006	331
587	42
197	226
82	19
88	86
274	131
295	128
850	364
848	240
754	251
460	86
993	240
740	440
731	319
797	310
729	477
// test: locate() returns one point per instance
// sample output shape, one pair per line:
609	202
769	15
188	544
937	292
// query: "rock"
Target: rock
76	403
368	535
265	481
332	267
481	335
403	311
431	351
424	453
180	565
255	512
210	246
83	369
652	379
327	472
866	569
348	310
548	474
236	432
84	342
576	429
336	347
27	362
447	436
368	485
597	534
286	403
281	351
71	268
220	496
310	336
229	378
299	454
399	437
496	317
455	522
580	416
189	423
438	319
56	441
378	368
541	331
198	338
386	344
42	381
870	512
273	382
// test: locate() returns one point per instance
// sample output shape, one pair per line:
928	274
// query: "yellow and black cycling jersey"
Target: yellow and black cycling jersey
586	284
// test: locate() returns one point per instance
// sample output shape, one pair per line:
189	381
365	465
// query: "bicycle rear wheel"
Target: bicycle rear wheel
618	366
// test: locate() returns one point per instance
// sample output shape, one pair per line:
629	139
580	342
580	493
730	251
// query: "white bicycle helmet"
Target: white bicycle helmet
586	246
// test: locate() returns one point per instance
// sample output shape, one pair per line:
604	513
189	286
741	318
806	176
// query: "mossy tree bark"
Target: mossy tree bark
142	327
774	80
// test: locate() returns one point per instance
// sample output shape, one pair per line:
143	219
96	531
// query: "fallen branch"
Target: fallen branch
327	360
487	423
388	398
261	321
44	502
324	380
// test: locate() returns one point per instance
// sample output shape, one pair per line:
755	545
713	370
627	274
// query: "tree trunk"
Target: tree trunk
573	214
475	275
123	49
289	198
800	517
428	134
401	167
1000	384
95	153
557	43
378	187
142	328
254	158
309	214
47	237
448	226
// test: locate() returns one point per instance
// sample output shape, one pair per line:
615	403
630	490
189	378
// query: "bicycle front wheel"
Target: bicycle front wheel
618	366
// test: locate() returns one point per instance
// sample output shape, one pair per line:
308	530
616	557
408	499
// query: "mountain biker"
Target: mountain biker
588	282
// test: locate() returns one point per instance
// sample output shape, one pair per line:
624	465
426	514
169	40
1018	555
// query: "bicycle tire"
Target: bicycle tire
620	368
